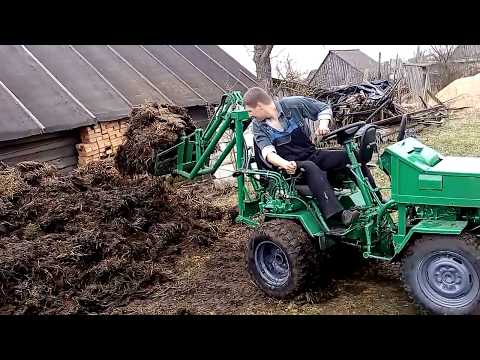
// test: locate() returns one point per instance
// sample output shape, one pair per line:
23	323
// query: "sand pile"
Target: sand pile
463	92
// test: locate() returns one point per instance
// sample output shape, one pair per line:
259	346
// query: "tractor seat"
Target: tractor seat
262	164
368	142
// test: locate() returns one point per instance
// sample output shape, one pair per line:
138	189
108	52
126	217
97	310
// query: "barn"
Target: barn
49	93
343	67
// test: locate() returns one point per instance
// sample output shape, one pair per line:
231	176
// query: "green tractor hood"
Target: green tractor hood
421	175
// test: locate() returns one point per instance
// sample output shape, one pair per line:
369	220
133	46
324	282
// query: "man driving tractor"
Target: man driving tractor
283	139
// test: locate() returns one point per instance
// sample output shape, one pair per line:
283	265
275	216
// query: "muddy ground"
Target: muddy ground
50	264
213	280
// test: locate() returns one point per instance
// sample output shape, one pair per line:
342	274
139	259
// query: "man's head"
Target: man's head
258	103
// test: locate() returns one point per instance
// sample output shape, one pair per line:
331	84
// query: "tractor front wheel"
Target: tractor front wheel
280	258
442	274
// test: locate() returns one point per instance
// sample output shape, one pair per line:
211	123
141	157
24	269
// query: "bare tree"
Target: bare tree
442	54
290	80
261	57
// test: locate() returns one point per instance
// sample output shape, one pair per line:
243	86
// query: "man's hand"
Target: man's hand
290	167
322	131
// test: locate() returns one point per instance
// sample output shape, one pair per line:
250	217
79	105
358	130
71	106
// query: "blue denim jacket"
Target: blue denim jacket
292	112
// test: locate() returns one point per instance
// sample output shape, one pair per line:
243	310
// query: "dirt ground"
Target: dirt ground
213	280
203	272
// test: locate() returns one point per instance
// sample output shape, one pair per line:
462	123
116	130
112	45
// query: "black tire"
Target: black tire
294	247
442	274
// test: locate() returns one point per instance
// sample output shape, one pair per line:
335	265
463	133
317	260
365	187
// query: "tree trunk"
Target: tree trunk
261	57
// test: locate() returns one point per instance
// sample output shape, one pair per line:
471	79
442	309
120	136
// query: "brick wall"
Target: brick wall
100	141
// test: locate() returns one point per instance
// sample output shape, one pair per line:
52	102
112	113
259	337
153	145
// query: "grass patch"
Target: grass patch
457	137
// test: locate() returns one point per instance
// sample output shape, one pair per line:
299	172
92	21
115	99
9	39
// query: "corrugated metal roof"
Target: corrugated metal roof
187	71
208	66
15	121
230	64
84	82
49	88
163	80
55	108
118	72
357	59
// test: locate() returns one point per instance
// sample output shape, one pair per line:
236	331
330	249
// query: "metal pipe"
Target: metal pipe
355	166
239	163
210	148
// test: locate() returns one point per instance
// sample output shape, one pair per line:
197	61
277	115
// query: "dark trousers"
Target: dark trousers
316	177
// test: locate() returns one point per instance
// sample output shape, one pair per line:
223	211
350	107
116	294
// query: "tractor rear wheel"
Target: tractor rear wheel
442	274
280	258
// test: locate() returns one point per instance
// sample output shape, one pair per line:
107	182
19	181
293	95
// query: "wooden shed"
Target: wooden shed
343	67
49	92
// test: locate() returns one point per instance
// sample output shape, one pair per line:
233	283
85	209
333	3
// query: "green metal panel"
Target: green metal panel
357	199
430	182
441	227
311	224
416	178
415	153
351	199
458	166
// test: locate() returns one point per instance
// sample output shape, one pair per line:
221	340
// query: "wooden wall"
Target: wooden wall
335	71
57	149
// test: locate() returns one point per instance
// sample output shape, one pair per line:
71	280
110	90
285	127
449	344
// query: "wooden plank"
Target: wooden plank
434	97
27	149
57	153
64	162
423	102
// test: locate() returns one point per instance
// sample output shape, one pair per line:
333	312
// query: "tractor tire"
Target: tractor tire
441	274
280	258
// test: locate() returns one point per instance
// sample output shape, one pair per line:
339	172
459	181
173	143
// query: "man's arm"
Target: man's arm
316	110
276	160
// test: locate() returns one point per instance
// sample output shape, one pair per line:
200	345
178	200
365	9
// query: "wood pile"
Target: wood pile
375	102
100	141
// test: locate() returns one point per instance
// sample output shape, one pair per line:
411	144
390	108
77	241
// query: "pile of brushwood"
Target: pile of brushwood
375	102
94	239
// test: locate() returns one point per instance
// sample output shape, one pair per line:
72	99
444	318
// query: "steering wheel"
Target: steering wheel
344	133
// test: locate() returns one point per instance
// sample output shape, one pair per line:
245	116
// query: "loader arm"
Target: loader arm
193	152
191	155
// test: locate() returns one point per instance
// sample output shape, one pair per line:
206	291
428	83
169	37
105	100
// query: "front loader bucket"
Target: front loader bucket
165	166
166	160
180	157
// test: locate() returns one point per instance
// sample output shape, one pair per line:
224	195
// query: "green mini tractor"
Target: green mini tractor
428	224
